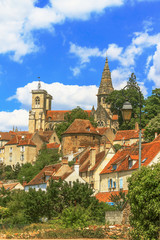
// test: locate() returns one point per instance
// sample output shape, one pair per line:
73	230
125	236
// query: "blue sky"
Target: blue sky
65	42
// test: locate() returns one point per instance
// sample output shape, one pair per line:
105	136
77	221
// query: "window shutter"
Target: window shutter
121	183
108	183
114	184
111	183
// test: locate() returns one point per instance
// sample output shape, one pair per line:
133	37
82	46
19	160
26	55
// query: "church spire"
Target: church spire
106	81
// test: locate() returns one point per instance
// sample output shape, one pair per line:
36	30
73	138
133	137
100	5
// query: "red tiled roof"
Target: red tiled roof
10	186
6	135
115	117
157	138
58	115
53	145
99	158
127	134
81	126
105	196
148	153
20	141
102	130
39	178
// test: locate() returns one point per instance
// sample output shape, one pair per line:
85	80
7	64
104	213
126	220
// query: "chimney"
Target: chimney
76	166
92	156
65	160
156	134
24	183
137	126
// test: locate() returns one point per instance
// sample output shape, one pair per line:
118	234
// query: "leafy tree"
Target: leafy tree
117	147
152	127
27	172
119	200
118	97
143	195
152	104
76	113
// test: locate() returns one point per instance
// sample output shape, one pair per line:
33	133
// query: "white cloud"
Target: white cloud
85	53
17	118
154	71
64	96
19	18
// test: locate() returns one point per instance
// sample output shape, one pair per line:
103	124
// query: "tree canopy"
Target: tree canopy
152	127
69	117
143	196
131	93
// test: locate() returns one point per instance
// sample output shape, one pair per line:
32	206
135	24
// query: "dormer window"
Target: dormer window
37	102
130	163
88	129
114	166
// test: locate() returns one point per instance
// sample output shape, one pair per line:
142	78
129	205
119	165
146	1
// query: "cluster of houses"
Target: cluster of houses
91	150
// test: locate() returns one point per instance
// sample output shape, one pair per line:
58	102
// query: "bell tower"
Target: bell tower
41	102
105	87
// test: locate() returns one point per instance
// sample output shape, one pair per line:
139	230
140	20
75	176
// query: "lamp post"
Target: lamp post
127	112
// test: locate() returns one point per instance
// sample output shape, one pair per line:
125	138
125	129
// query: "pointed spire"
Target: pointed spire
106	81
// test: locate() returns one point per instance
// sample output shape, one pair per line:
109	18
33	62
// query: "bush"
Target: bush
76	217
143	195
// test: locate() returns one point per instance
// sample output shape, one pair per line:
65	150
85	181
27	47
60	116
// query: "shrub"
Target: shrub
143	195
76	217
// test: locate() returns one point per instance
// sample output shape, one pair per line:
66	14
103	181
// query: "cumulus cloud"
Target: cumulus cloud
154	71
19	19
17	118
65	97
126	57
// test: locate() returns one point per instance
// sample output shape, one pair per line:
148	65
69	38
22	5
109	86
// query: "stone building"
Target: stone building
80	134
103	115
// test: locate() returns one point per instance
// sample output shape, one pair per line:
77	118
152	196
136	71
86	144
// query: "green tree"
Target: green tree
118	97
76	113
117	147
152	105
152	127
119	200
27	172
143	196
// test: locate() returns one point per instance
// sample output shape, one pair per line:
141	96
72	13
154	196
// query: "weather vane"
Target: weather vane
39	84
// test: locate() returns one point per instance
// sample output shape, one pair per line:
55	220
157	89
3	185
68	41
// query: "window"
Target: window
10	150
110	183
0	151
114	166
130	163
37	102
121	183
100	123
22	157
10	157
93	137
114	184
22	148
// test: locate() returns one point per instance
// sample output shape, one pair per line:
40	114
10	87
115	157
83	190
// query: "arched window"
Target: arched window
37	102
100	123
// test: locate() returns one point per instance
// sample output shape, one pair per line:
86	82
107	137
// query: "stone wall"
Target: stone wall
118	217
71	143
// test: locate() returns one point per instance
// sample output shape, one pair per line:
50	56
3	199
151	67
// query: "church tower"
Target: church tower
41	103
103	115
105	87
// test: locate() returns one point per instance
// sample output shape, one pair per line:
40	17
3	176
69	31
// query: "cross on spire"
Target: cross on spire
39	83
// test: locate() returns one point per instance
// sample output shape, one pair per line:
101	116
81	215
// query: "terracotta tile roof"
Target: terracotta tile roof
81	126
10	186
40	177
121	158
115	117
84	161
102	130
53	145
105	196
20	141
157	138
56	171
99	157
127	134
6	136
58	115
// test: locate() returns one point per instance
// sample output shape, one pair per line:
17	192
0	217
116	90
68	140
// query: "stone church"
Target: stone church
41	117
